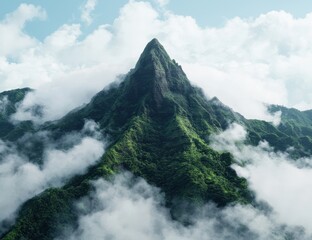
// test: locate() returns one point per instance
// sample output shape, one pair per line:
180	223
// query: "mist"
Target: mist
22	179
277	179
126	207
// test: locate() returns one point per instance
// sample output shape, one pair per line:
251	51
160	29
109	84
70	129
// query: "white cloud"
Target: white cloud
79	69
65	37
129	208
87	9
285	187
13	39
274	177
21	179
162	3
245	63
24	13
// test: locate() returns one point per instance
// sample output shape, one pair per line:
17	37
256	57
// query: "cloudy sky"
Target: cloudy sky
246	54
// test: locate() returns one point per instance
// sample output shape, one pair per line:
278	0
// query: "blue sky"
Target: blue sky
211	13
215	12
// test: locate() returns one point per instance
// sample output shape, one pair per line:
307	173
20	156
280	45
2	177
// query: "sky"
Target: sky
210	13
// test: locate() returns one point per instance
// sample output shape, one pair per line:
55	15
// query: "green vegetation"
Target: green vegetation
9	101
294	132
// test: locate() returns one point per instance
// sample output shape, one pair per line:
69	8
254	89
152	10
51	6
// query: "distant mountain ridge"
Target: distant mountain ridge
159	127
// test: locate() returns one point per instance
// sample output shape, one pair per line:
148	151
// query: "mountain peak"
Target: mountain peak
156	74
154	42
154	53
155	45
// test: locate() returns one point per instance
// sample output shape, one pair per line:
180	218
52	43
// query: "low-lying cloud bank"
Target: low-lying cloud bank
285	184
21	179
129	208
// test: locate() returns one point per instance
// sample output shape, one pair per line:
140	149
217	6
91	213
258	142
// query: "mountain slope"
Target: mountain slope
9	101
158	126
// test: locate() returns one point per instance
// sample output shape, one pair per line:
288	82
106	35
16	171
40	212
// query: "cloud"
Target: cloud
13	39
247	63
22	179
162	3
87	9
129	208
273	176
24	13
65	37
72	71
